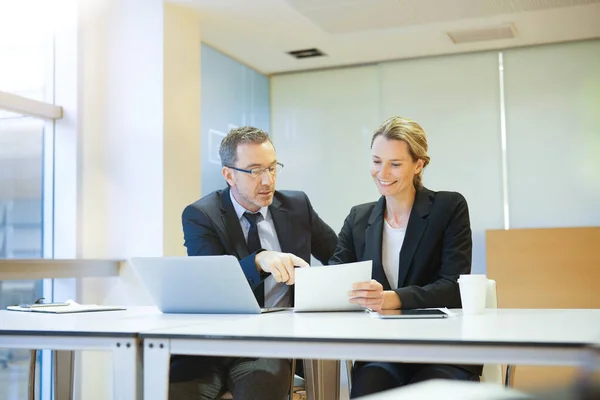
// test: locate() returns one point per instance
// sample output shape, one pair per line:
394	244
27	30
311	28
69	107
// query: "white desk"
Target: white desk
542	337
114	331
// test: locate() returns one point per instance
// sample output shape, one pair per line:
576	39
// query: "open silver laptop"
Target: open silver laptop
198	285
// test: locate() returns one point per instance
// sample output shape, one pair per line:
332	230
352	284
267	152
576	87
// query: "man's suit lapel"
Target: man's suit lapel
283	227
374	241
232	226
417	223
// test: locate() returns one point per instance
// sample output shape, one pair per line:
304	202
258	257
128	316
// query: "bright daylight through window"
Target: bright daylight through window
26	73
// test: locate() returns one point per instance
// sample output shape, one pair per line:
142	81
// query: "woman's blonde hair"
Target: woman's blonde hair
406	130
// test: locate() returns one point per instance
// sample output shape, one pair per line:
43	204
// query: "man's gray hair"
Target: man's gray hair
237	136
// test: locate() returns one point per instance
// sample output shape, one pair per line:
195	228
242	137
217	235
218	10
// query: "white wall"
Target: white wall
181	120
127	149
456	100
121	128
553	120
233	95
138	117
120	184
322	122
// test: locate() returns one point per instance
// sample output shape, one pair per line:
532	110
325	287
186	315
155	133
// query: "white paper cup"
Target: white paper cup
473	290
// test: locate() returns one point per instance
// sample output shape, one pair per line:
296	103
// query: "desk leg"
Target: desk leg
586	380
126	370
63	374
322	379
157	358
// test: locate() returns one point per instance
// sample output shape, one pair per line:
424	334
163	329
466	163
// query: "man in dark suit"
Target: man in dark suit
270	232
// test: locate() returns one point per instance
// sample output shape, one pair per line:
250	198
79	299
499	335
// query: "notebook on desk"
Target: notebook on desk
62	308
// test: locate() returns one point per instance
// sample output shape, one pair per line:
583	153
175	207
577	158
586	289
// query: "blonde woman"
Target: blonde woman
419	241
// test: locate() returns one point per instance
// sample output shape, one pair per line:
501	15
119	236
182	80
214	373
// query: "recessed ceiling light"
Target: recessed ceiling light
483	34
306	53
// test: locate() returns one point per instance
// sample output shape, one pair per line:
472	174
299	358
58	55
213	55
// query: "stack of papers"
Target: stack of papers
62	308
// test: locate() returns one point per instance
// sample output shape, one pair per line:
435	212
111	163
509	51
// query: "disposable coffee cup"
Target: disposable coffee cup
472	293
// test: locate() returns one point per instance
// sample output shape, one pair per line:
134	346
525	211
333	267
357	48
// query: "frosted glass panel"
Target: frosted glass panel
553	122
456	101
233	95
322	125
260	100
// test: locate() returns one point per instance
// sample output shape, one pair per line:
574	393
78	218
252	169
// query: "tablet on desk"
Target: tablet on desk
415	313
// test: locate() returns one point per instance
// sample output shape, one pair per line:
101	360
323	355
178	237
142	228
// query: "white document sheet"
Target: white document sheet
326	288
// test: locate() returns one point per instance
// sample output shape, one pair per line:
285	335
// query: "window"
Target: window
26	93
21	229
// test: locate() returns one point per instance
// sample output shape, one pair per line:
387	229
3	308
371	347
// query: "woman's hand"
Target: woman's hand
367	294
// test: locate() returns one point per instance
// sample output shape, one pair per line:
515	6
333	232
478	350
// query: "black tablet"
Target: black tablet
415	313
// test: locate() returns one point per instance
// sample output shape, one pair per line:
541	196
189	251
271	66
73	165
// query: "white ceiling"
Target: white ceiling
259	33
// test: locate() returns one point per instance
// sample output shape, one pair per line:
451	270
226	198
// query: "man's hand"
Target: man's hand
367	294
280	265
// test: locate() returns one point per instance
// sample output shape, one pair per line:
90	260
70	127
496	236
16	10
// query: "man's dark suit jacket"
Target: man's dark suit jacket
211	227
437	249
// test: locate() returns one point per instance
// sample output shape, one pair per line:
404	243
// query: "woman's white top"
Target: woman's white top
390	252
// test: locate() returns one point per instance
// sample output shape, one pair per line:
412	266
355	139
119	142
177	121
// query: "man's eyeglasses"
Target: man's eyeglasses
259	171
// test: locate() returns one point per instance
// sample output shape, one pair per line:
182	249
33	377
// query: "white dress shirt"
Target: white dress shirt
276	294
